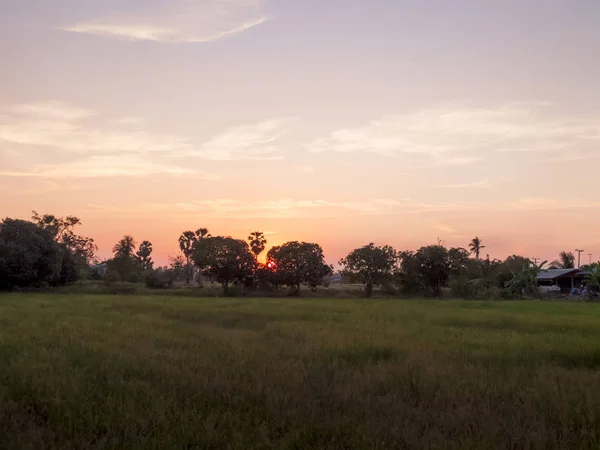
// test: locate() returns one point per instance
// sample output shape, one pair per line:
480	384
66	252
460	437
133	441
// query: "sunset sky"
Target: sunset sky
333	121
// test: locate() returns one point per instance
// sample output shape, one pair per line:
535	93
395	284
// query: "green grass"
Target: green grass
132	372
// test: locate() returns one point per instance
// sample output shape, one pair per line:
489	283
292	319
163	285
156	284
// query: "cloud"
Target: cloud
64	127
89	143
105	166
272	209
248	142
298	209
52	110
475	184
180	21
440	133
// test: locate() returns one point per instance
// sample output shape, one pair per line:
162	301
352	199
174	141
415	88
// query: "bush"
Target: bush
160	279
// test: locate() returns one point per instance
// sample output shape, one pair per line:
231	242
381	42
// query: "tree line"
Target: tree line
46	251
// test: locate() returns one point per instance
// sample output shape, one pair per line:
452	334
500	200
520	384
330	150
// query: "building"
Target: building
565	279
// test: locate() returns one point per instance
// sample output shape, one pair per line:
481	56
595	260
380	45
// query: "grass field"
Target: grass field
173	373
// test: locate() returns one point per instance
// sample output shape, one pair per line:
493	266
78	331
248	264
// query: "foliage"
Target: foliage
125	247
430	265
593	278
296	263
224	260
257	242
29	256
160	278
566	260
125	262
476	246
373	266
143	256
177	265
82	250
524	282
187	243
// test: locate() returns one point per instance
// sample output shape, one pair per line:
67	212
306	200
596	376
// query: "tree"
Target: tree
125	247
476	246
125	262
224	260
177	265
295	263
257	242
566	260
525	280
187	241
143	256
372	265
593	278
29	256
434	267
83	249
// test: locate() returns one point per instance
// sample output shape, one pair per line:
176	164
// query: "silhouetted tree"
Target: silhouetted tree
125	247
476	246
566	260
29	255
144	256
257	242
224	260
372	265
187	242
295	263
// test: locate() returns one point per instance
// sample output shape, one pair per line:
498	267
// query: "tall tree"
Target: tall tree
566	260
187	242
125	247
476	246
143	256
373	265
258	242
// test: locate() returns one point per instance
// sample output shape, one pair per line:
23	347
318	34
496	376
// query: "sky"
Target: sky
341	122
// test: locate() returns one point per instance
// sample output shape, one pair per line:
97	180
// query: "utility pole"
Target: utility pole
590	255
578	257
535	260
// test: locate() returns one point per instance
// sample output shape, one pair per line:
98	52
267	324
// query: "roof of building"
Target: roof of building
551	274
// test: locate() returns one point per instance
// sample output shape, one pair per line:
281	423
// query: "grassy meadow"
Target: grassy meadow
136	372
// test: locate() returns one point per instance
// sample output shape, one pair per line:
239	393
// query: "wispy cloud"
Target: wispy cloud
440	133
258	141
475	184
88	144
292	208
179	21
106	166
272	209
67	128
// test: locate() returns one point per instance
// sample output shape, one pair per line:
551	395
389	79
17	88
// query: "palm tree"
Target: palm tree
593	278
566	260
525	281
143	255
202	233
257	242
125	247
476	247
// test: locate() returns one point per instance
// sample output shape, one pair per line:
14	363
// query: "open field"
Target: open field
180	373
